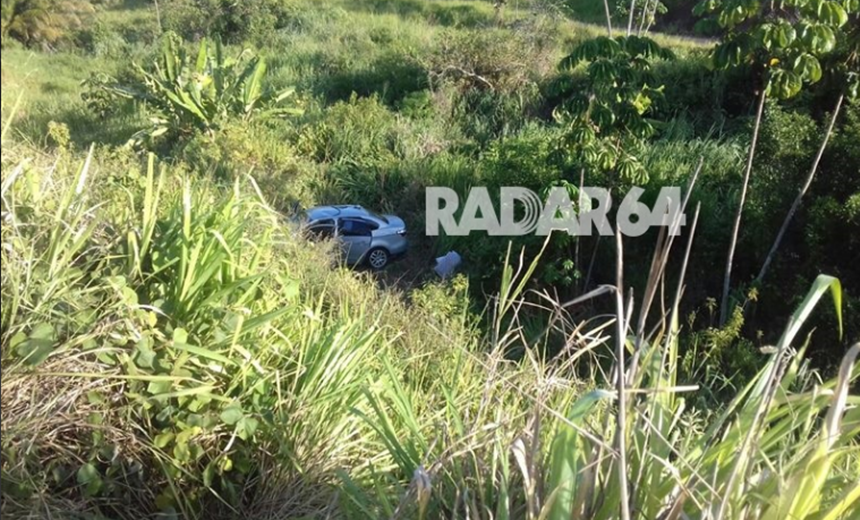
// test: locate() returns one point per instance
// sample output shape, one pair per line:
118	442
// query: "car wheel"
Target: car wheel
377	258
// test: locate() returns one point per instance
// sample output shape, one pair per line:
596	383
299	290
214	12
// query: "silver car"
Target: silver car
365	236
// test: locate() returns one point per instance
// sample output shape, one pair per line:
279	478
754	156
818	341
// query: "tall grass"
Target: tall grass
169	346
172	348
765	455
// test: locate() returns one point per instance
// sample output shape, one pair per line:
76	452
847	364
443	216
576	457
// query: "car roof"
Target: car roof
338	211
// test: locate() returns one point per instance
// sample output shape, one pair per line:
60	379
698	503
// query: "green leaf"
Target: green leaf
808	67
785	34
38	345
232	414
163	439
819	38
145	355
765	35
290	290
284	94
821	285
202	56
853	86
568	456
832	13
728	54
204	353
253	87
159	387
246	427
209	473
180	335
88	477
784	84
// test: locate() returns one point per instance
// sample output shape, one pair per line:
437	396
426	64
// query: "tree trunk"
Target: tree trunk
651	17
579	278
621	422
608	17
645	10
630	17
801	193
727	280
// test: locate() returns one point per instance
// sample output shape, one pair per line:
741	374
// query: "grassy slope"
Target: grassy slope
335	49
396	385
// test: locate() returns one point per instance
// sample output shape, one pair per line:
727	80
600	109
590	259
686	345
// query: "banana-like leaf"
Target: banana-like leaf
567	456
253	85
202	56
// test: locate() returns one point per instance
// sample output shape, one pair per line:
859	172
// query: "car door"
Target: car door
320	230
355	235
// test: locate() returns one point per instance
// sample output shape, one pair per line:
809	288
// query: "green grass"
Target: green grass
593	12
49	86
171	346
337	48
153	320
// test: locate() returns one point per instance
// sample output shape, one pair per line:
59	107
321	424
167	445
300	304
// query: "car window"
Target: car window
321	229
355	227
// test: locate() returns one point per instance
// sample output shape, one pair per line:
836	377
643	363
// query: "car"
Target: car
366	237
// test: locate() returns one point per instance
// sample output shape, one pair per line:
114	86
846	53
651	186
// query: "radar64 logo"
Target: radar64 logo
519	211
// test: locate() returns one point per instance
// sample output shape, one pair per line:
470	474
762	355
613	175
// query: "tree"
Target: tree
234	21
42	22
606	120
783	44
606	123
846	75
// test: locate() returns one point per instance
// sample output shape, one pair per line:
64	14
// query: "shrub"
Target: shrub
486	116
360	130
490	59
43	23
103	41
607	120
391	75
235	22
200	96
529	159
263	151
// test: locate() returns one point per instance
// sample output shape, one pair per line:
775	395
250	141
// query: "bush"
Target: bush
360	130
263	151
190	95
529	159
235	22
391	76
102	41
491	59
44	23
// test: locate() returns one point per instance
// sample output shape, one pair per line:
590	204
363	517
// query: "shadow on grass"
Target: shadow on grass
447	14
392	77
85	127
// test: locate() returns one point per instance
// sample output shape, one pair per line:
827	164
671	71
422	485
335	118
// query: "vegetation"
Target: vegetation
786	46
186	98
172	347
42	22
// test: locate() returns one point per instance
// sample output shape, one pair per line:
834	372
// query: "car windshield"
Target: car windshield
300	217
